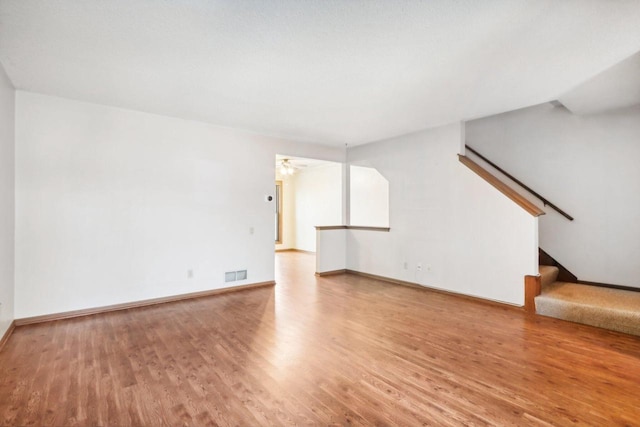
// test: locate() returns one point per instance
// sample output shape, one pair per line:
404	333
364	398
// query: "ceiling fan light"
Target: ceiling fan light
286	168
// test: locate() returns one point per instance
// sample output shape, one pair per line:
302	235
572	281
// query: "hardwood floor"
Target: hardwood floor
317	351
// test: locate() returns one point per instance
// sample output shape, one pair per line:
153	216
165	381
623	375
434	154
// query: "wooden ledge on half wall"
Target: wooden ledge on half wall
351	227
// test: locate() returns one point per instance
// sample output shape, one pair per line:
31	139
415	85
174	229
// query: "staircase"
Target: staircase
614	309
555	292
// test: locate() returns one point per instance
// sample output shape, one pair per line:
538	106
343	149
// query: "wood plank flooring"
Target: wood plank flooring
338	350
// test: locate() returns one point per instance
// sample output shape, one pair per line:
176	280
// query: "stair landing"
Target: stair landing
614	309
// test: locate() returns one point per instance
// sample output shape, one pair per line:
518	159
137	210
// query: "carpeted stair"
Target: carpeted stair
614	309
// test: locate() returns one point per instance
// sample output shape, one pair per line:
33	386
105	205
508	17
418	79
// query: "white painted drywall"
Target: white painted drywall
331	247
114	205
468	237
369	197
587	165
7	201
318	201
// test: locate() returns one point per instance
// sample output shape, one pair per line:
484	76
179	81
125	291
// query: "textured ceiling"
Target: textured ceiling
302	162
617	87
334	72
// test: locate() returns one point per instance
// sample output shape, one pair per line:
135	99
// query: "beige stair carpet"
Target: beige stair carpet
613	309
548	275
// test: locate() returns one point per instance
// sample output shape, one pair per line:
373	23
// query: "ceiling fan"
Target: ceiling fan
288	166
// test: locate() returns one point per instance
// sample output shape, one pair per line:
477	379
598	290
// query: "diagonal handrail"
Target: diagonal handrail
521	184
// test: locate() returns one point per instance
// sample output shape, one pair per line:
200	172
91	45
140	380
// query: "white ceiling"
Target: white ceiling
616	87
328	71
301	162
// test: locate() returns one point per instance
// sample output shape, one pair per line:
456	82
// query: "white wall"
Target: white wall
468	236
116	206
331	250
587	165
369	197
7	204
318	201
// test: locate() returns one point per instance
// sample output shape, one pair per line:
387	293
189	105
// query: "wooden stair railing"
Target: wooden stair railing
501	186
545	201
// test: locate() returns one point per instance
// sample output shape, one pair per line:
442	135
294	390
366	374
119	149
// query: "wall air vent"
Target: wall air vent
232	276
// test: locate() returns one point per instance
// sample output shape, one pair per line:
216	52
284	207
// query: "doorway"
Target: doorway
308	194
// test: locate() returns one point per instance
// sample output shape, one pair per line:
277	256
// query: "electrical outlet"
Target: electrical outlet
251	230
405	265
419	266
428	267
190	274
